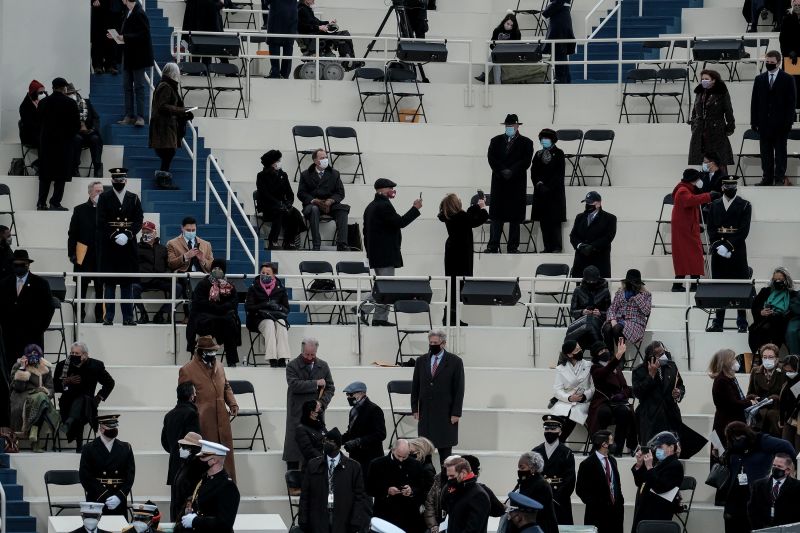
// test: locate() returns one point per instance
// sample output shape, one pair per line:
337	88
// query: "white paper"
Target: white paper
669	495
716	442
795	389
115	35
443	525
192	109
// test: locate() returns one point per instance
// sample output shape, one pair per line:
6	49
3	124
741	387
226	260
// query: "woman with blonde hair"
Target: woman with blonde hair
422	450
458	247
729	399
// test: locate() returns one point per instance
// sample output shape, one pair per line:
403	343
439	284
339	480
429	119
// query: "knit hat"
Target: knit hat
271	157
34	86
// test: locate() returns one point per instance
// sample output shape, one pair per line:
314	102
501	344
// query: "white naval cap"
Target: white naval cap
92	507
382	526
212	448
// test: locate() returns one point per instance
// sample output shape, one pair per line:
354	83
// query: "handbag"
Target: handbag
718	476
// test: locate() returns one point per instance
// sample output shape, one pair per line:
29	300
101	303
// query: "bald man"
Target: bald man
396	481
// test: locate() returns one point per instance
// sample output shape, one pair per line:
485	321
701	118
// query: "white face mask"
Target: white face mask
769	364
73	97
90	523
791	375
698	184
323	163
663	358
139	526
735	367
184	453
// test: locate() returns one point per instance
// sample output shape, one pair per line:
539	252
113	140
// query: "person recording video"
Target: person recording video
417	15
309	24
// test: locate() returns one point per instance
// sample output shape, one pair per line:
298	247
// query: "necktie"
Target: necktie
435	365
776	488
771	79
20	283
330	475
608	479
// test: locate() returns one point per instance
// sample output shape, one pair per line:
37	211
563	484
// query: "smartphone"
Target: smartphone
645	450
420	195
481	196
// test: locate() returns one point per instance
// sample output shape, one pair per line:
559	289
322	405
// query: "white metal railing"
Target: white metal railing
589	15
227	209
3	515
616	11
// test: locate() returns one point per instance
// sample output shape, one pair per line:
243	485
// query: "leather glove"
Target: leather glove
715	195
793	57
113	502
351	445
121	239
187	520
73	259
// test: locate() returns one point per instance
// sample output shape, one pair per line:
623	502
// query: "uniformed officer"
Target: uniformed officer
728	227
379	525
559	468
119	219
215	501
107	468
522	512
145	518
91	513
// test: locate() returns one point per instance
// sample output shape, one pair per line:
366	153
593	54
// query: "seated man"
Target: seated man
89	134
309	24
187	252
321	190
30	123
153	259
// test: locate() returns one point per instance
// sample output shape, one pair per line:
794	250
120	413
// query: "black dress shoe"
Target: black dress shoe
290	247
491	250
159	318
108	322
128	322
57	207
741	328
40	207
513	251
765	183
342	248
677	287
144	319
382	323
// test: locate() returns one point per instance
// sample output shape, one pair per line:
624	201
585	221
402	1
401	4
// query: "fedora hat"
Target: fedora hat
207	342
21	256
191	439
512	119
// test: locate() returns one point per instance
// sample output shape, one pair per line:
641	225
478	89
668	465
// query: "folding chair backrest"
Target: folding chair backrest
241	387
751	135
658	526
641	75
189	68
255	202
569	135
486	199
4	190
294	479
399	387
242	286
673	74
58	287
353	268
224	69
341	132
307	131
315	267
668	200
655	45
598	135
62	477
371	74
794	135
552	270
688	483
411	307
401	75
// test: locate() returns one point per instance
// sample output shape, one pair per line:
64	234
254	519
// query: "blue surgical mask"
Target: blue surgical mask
510	131
661	454
190	235
546	143
705	167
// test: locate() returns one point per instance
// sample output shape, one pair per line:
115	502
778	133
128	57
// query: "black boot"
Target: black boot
164	181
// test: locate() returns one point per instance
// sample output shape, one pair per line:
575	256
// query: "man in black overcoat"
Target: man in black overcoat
772	113
656	477
105	14
728	227
765	508
468	504
549	197
658	387
76	379
61	122
559	26
26	308
366	429
107	469
137	57
599	488
179	421
509	158
559	468
332	497
591	236
119	219
83	230
437	394
321	191
396	482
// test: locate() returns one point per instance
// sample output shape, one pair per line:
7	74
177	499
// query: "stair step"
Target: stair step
20	524
8	476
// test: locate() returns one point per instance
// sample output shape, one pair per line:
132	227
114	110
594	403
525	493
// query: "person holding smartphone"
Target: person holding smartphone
658	474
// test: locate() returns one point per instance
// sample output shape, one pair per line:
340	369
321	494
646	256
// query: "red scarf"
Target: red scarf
219	287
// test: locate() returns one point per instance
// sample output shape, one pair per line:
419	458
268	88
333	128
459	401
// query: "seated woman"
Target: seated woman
507	30
310	431
32	412
590	302
766	381
771	312
573	388
267	307
789	403
275	199
627	316
214	311
422	450
610	403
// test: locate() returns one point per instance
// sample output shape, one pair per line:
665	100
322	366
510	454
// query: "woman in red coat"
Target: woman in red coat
687	250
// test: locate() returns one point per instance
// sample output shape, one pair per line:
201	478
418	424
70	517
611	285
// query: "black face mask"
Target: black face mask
739	443
118	186
452	483
779	284
111	433
20	270
75	360
729	193
589	208
777	473
351	401
771	66
435	348
550	437
330	449
604	357
522	475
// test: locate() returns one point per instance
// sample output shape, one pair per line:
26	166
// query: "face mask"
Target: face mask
184	453
729	193
118	185
550	437
20	270
735	366
771	66
707	84
351	401
434	348
330	449
604	357
139	526
90	523
661	454
705	169
265	278
522	475
452	483
510	131
34	359
699	183
664	358
769	364
217	273
189	235
546	143
148	237
75	360
779	284
323	163
739	443
589	208
111	433
73	97
777	473
209	357
791	375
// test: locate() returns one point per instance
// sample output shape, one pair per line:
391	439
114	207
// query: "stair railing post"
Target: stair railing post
208	183
228	217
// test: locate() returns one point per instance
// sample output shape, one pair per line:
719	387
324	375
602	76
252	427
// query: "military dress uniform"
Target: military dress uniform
559	472
147	513
105	473
90	511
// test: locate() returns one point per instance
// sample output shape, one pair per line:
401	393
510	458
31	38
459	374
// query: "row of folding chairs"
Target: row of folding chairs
317	287
325	140
649	85
589	148
732	52
391	85
742	157
214	79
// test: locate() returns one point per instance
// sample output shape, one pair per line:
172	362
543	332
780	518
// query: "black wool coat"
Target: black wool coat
137	51
583	298
24	317
189	473
559	468
83	229
402	511
508	194
657	410
663	477
302	387
259	306
309	440
786	509
93	373
537	488
592	488
547	175
153	259
772	109
712	122
468	508
60	123
273	191
458	260
737	216
383	234
179	421
558	13
367	428
329	186
31	127
438	398
282	19
350	506
600	234
98	462
110	213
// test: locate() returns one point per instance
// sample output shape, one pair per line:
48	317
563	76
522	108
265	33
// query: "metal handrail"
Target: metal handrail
3	516
615	11
589	15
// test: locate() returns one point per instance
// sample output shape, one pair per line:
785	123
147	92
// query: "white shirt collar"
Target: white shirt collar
334	459
120	194
726	202
601	457
549	449
109	443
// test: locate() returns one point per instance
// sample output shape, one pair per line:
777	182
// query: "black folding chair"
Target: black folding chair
555	270
794	135
294	482
639	84
59	327
540	22
571	152
657	47
658	526
400	387
62	478
596	136
403	85
315	287
347	289
528	224
306	132
251	16
410	307
240	387
226	72
749	135
672	83
6	191
257	214
371	83
687	488
483	240
344	132
25	150
659	237
198	72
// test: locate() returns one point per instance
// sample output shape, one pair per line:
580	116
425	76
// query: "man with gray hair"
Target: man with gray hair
437	394
76	378
82	247
308	378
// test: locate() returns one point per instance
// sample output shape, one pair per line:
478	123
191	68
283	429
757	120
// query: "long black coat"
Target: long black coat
737	216
592	489
537	488
350	506
111	213
182	419
402	511
309	440
559	469
468	508
216	506
458	260
259	306
712	123
559	23
190	16
189	473
329	186
31	130
786	509
274	191
207	15
24	317
600	233
772	110
153	259
83	229
98	462
137	52
301	387
383	234
549	197
367	427
657	410
508	195
92	372
60	123
282	19
438	398
663	477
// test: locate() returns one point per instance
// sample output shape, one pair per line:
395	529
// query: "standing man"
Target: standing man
559	26
282	19
215	501
26	309
599	486
728	228
60	123
659	387
509	157
772	113
105	14
383	237
82	247
91	513
321	190
119	219
437	394
396	482
308	378
559	468
137	57
591	236
212	394
687	249
366	429
468	504
180	421
107	468
76	379
773	499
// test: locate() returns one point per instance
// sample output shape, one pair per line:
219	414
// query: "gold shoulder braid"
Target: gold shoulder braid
191	501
